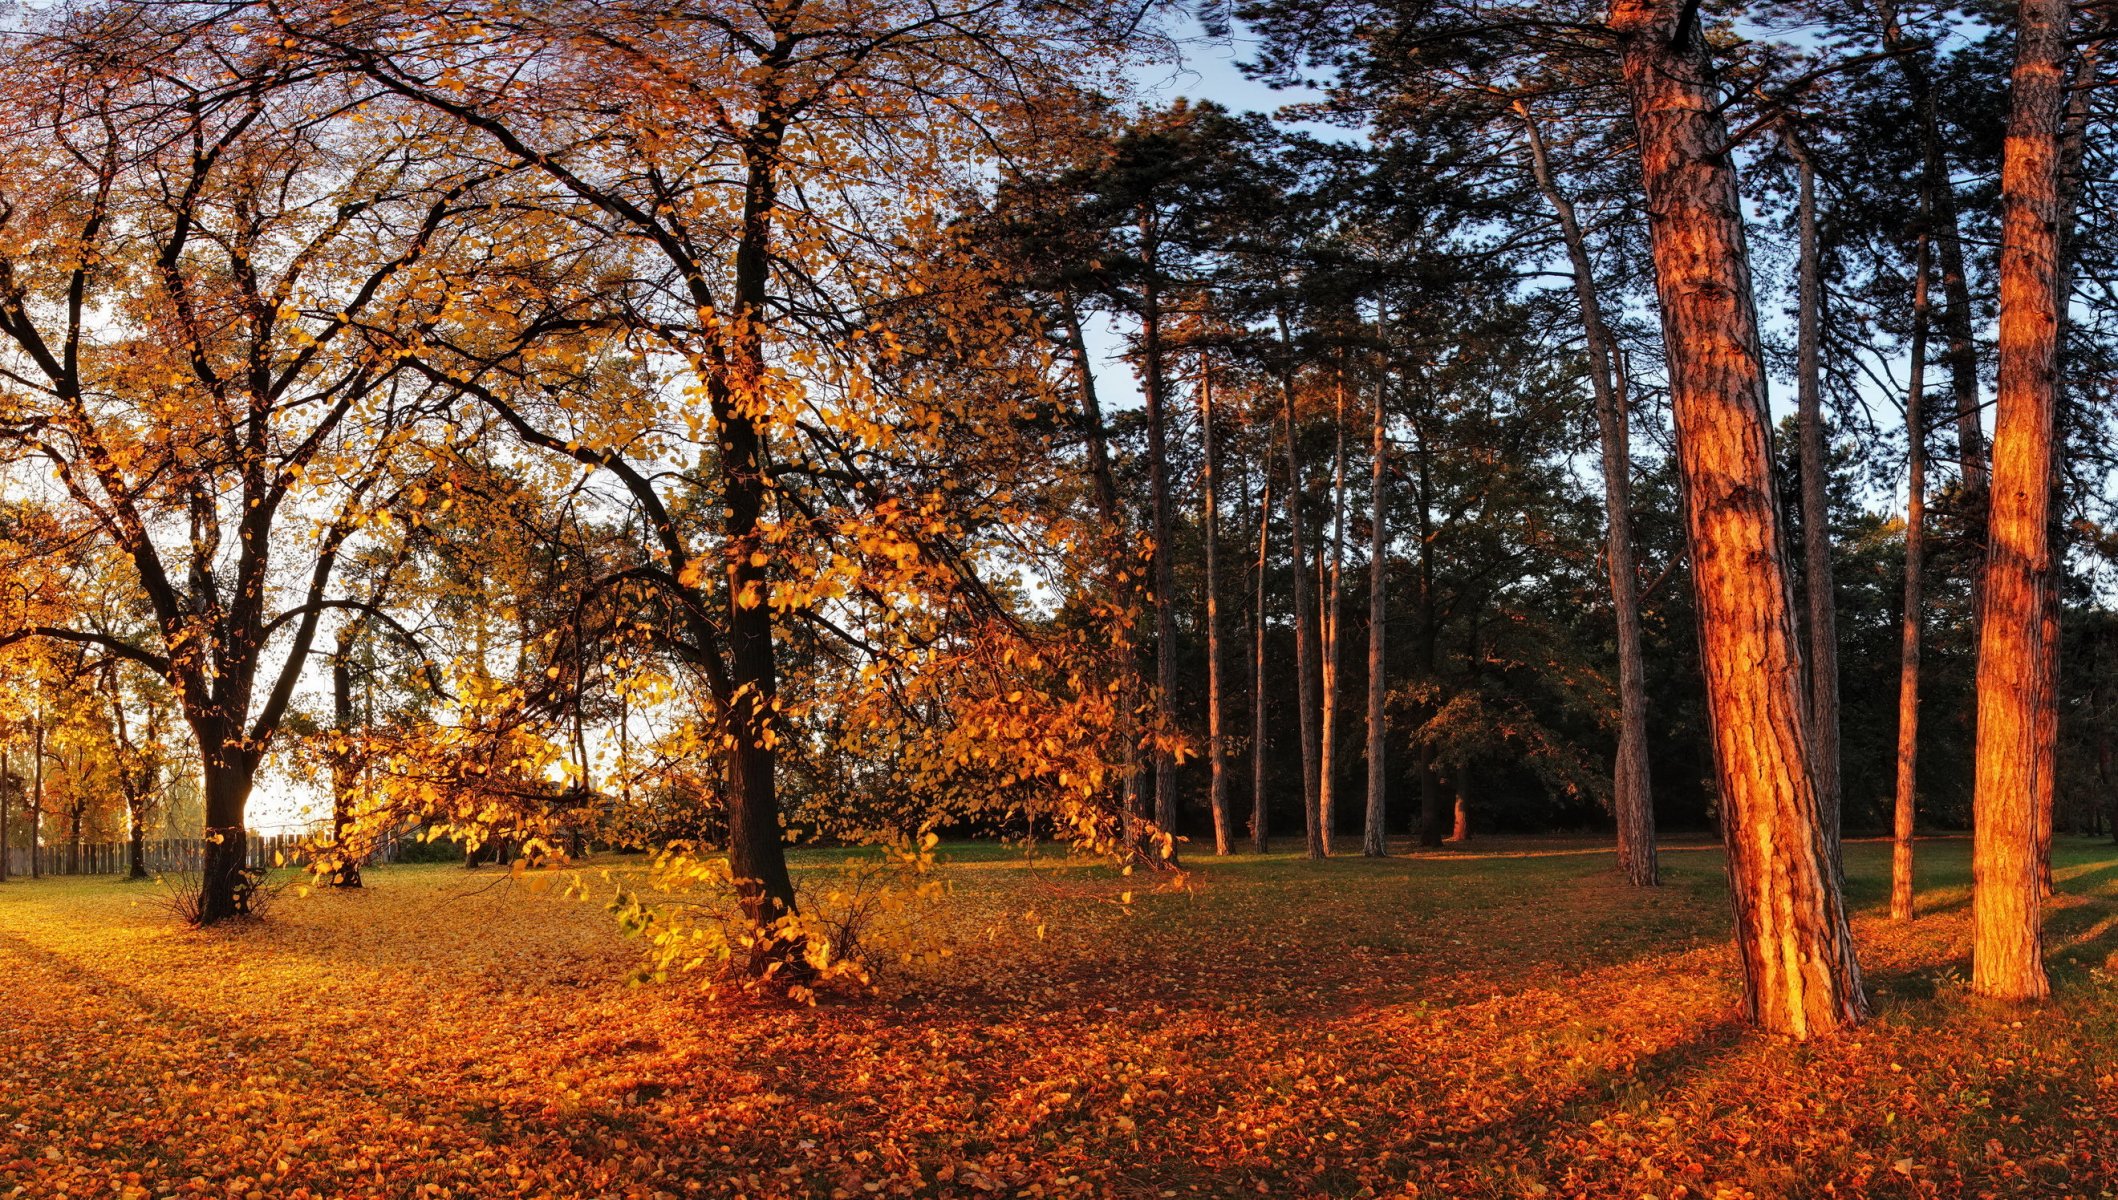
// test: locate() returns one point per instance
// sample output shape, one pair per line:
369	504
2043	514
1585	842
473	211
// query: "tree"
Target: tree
2007	940
1796	951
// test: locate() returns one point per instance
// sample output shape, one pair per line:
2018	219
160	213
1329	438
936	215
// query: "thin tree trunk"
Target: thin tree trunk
1374	834
7	793
1823	657
1333	609
1940	200
1305	644
1153	385
1216	752
1632	800
36	803
1260	834
2072	148
2007	938
1796	952
1915	566
1432	812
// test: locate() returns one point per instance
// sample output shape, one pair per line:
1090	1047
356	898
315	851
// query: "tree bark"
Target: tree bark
7	794
1216	751
1305	644
1796	952
1903	810
1153	383
1331	612
2007	938
36	801
344	771
1260	834
1632	799
1374	834
1823	658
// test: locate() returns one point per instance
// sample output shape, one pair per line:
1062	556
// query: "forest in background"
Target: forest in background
683	429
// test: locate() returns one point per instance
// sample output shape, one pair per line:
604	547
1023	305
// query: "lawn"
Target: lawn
1504	1021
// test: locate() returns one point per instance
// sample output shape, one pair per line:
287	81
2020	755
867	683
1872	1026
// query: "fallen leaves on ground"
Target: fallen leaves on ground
1482	1023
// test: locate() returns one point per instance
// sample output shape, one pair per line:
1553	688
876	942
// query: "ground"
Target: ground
1505	1020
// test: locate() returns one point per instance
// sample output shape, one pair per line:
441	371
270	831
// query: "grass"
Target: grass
1507	1020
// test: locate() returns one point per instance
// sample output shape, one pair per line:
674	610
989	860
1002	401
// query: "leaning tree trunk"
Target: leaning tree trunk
1632	801
1902	812
1796	952
1374	835
1816	510
2007	938
1260	835
1216	752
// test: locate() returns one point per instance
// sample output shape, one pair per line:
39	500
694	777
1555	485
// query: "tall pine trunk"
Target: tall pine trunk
1796	952
1260	833
1216	752
1939	198
2007	937
1305	641
1632	800
1332	609
1823	657
1153	382
1374	835
1903	811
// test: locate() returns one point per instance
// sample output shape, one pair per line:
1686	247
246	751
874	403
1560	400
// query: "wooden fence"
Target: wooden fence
163	855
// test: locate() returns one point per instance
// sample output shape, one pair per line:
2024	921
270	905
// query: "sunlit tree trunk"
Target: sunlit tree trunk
1374	835
1823	657
1902	812
1305	640
1216	752
1153	385
1632	799
1799	973
1260	834
1332	610
2007	940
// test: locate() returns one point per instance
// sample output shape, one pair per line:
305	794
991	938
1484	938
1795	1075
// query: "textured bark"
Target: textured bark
1374	838
1823	659
1260	833
1903	811
1331	610
7	795
1305	643
1632	800
1796	953
2007	939
1216	751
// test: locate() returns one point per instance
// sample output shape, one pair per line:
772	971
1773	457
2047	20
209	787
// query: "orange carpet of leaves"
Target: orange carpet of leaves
1506	1022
